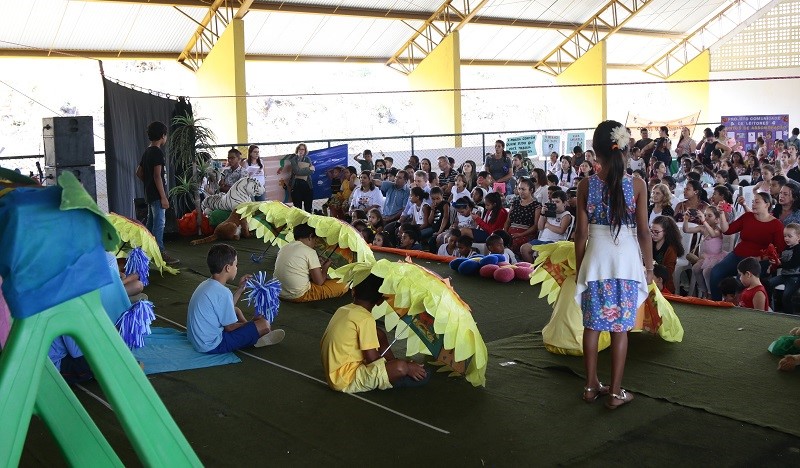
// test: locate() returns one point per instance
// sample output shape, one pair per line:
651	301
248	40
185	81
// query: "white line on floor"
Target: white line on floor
324	383
96	397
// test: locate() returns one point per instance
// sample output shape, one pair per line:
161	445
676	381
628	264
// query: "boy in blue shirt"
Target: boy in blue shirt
214	324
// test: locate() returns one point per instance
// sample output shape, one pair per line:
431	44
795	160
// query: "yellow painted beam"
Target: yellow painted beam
130	55
585	106
688	98
441	69
222	73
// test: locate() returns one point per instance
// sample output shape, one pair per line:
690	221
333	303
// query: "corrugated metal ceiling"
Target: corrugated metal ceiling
105	26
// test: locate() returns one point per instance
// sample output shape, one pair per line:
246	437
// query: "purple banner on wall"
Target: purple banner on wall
745	129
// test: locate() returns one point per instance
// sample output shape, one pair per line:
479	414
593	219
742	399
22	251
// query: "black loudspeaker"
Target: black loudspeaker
84	174
68	141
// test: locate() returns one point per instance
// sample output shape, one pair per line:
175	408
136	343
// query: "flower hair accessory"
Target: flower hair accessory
620	137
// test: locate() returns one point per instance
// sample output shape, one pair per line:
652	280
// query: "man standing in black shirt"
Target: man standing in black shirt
644	142
151	172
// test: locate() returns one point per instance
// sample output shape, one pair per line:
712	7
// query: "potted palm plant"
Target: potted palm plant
190	146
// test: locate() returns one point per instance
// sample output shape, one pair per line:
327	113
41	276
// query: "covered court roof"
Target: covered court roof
492	32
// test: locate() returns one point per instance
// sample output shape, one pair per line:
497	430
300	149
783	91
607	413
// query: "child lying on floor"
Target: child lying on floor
214	324
352	348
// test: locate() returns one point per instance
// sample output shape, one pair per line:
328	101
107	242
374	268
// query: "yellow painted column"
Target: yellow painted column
689	98
222	73
585	106
441	69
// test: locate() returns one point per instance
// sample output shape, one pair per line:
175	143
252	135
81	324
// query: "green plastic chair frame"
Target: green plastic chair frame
30	384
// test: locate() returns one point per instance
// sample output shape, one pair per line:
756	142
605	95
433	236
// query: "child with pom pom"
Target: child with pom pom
214	324
356	354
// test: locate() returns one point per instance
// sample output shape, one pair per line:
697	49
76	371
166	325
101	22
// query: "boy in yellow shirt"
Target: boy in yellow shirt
352	346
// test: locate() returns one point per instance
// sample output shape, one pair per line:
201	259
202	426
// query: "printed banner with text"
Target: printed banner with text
636	122
522	144
323	160
743	130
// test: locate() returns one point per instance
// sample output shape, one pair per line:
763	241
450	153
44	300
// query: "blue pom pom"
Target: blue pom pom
134	324
489	260
500	257
470	267
455	263
264	295
138	262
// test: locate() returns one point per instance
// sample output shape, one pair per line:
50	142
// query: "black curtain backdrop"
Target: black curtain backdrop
127	114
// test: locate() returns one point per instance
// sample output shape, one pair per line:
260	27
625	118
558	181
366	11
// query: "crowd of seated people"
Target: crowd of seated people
712	205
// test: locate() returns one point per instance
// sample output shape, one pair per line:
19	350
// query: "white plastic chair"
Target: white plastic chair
729	242
746	177
682	265
570	228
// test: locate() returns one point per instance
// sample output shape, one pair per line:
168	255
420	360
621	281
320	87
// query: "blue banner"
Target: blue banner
323	160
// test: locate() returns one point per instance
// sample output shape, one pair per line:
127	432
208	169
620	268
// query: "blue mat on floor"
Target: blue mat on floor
168	350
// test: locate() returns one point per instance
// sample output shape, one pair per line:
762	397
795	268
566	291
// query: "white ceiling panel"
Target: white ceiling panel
675	15
402	5
630	50
69	25
267	33
562	11
480	42
76	25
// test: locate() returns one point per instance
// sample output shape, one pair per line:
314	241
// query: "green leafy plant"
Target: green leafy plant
190	146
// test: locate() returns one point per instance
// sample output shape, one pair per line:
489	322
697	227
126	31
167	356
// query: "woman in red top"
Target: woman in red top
758	230
494	218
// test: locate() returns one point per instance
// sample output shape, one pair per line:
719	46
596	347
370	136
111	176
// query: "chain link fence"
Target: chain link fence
461	147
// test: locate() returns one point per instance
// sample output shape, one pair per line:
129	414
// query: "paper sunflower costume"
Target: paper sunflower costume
435	321
133	234
555	271
273	221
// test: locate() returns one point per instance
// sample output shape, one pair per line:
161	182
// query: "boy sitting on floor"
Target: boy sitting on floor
302	273
352	346
215	325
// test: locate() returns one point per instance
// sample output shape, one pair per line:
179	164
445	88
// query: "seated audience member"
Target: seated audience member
409	237
438	219
758	230
449	247
496	245
661	199
485	182
214	324
366	195
303	275
789	275
693	203
711	251
754	295
381	239
355	352
523	217
553	226
396	194
775	185
730	289
233	171
660	276
374	220
667	246
464	247
494	218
